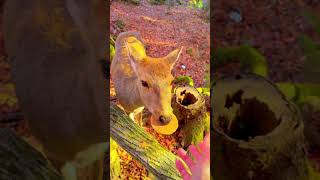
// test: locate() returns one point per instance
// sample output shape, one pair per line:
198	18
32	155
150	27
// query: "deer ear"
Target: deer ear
173	56
136	51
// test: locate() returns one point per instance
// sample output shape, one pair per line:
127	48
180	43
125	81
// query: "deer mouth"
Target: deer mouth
166	129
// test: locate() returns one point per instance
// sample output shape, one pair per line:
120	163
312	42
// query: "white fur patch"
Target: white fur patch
69	171
91	154
136	111
83	158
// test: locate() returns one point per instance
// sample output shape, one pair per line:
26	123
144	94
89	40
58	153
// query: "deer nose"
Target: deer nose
164	120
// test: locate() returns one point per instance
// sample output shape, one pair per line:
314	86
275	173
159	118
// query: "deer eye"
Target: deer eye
144	84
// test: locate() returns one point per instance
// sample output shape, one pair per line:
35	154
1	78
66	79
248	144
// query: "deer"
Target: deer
143	81
55	50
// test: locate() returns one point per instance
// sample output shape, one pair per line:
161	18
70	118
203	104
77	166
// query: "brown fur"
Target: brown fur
129	69
54	50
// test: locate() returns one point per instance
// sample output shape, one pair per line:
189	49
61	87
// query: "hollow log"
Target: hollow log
142	146
19	160
257	133
190	108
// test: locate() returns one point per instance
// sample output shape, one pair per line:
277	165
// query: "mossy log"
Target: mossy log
142	146
257	133
115	169
190	108
19	160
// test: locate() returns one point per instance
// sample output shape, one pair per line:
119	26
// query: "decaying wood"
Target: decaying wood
19	160
190	108
257	133
142	146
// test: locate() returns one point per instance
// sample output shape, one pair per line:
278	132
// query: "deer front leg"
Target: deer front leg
69	171
131	116
136	115
83	159
139	118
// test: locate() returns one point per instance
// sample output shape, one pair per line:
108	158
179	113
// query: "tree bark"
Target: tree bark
190	108
115	169
140	145
257	133
19	160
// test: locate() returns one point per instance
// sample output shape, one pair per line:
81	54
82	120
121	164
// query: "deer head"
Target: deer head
155	84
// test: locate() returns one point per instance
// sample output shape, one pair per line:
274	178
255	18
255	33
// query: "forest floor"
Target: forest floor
273	28
164	30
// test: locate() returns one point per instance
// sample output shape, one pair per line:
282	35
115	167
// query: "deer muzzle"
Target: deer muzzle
164	124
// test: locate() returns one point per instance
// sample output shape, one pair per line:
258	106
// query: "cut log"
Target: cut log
190	108
257	133
142	146
19	160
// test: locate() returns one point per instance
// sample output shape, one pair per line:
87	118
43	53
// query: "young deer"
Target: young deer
54	49
143	81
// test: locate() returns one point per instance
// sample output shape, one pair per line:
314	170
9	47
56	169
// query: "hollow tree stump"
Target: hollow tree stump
257	133
190	108
142	146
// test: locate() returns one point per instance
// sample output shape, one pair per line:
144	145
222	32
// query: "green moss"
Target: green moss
204	91
184	79
307	44
247	56
301	93
134	2
196	4
299	90
120	24
112	51
189	51
115	169
288	89
157	2
194	131
307	89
